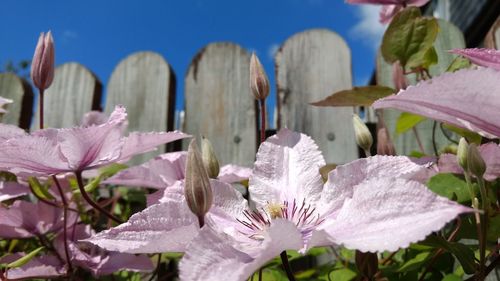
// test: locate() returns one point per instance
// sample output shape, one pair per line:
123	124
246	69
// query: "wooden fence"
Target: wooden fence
310	65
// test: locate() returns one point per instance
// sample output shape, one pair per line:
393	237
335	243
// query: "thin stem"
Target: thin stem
286	266
157	270
201	221
262	103
434	146
419	142
484	224
65	221
41	107
260	274
90	201
448	137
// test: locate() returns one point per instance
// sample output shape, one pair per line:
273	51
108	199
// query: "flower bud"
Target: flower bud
209	159
197	188
475	161
259	83
462	153
363	136
4	101
398	76
42	66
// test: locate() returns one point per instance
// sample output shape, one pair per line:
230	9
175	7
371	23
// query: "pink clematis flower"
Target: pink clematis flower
53	151
390	7
4	101
481	57
164	170
466	98
371	204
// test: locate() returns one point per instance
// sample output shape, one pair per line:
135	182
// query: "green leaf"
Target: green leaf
427	59
416	262
23	260
471	137
493	228
344	274
41	191
458	63
357	96
462	252
406	121
409	37
104	172
452	277
448	185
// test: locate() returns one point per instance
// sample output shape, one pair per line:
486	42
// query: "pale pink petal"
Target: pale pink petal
375	2
137	143
43	267
234	173
213	256
466	98
118	262
287	168
340	182
482	57
228	204
10	190
4	101
31	155
387	12
10	131
416	3
385	214
448	163
93	118
160	172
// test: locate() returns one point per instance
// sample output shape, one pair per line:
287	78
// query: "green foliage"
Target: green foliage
450	186
23	260
458	63
40	190
357	96
462	252
471	137
407	121
409	39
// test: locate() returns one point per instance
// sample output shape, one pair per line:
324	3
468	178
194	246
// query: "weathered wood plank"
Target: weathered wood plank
74	91
144	83
219	105
449	37
20	92
492	39
310	66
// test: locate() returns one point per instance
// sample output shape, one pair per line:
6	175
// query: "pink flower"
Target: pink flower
42	66
54	151
482	57
466	98
390	7
371	204
10	190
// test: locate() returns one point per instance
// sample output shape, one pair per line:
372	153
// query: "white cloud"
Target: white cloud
271	51
368	29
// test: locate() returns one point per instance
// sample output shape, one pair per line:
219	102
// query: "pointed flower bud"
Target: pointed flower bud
42	66
209	159
197	185
363	136
462	153
259	83
398	76
475	161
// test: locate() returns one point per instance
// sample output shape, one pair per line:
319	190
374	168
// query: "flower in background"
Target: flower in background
390	7
3	102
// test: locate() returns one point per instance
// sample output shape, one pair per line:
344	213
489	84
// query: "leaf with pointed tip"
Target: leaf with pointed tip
462	252
357	96
23	260
448	185
457	64
407	121
41	191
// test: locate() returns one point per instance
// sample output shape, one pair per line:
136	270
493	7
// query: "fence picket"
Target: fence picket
20	92
310	66
219	105
492	39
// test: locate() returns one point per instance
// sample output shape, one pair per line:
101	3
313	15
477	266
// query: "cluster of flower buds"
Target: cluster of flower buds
42	66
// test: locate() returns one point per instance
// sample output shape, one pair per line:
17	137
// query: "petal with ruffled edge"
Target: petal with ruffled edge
481	56
287	168
10	131
234	173
385	214
43	267
214	256
10	190
341	180
466	98
117	261
160	172
137	143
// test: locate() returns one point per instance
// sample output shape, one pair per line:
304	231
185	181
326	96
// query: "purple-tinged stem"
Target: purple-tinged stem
65	218
41	107
90	201
262	103
286	266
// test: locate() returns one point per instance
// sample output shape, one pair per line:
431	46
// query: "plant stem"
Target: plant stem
262	103
87	198
434	146
419	142
40	91
157	270
65	222
484	224
286	266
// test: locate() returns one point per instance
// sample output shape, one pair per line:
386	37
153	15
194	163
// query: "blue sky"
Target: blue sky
98	34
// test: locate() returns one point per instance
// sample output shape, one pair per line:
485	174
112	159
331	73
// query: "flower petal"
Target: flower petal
234	173
466	98
9	190
137	143
43	267
287	168
385	214
214	256
480	56
10	131
118	261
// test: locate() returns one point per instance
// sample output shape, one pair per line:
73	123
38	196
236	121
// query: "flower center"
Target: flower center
256	222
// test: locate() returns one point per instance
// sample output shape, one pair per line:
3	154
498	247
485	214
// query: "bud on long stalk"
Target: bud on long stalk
209	159
259	83
363	136
42	66
462	153
475	161
197	184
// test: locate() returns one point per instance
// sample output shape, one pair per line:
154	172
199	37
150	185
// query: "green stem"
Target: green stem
484	226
